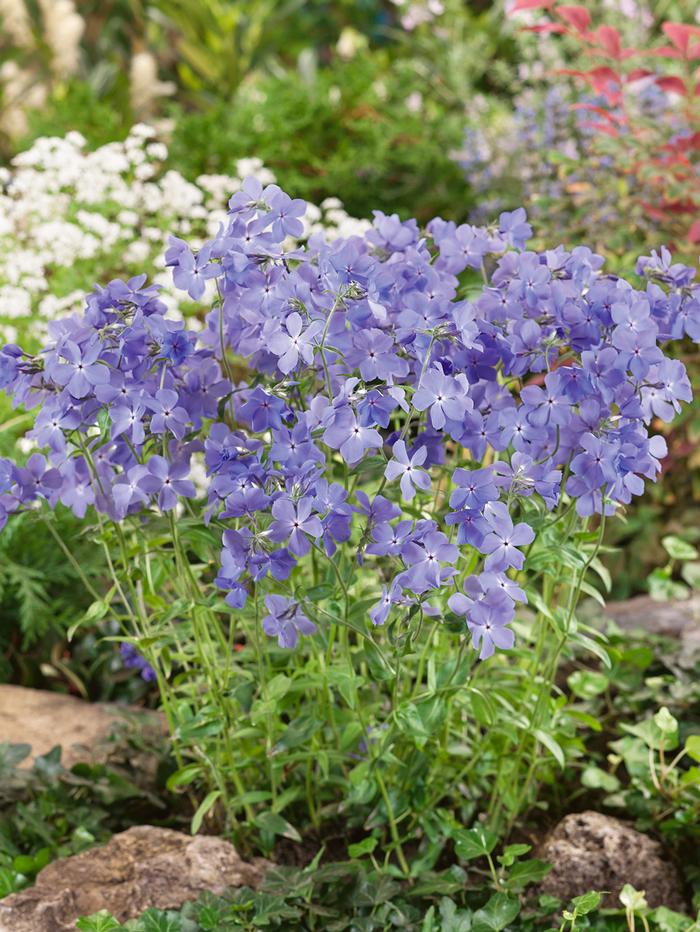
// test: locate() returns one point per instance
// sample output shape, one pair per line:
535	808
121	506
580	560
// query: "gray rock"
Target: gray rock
591	851
679	618
44	719
673	619
140	868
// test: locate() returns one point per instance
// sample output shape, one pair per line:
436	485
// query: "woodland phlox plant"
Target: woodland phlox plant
421	411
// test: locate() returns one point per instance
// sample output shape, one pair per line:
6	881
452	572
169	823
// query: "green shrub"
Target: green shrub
353	131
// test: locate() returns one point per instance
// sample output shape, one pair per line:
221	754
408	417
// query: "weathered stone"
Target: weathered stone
44	719
141	868
679	618
591	851
673	619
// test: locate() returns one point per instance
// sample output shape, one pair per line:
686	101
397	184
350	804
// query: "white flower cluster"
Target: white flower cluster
70	218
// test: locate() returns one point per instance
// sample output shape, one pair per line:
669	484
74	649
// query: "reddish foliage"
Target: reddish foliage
521	5
662	155
680	34
670	83
576	16
546	27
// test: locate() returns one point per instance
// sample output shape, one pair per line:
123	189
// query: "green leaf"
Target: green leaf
665	722
271	823
366	846
587	683
154	920
278	687
498	913
96	612
317	593
663	589
421	720
597	779
586	903
11	756
10	882
603	572
632	899
666	920
452	919
104	422
678	549
552	746
99	922
474	843
184	776
691	574
651	734
23	864
511	852
593	646
526	872
203	809
692	747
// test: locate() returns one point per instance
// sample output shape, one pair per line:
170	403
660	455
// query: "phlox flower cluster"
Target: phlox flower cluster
386	418
67	213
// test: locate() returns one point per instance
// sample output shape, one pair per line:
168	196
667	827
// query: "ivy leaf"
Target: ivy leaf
665	721
597	779
526	872
511	852
587	683
652	735
271	823
663	589
679	549
633	899
474	843
366	846
666	920
452	919
586	903
498	913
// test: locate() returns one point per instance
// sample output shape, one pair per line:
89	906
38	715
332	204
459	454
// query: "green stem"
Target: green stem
69	556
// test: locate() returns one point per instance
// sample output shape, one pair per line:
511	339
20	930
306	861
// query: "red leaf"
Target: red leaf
680	34
521	5
603	80
576	16
674	85
694	232
665	51
609	39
